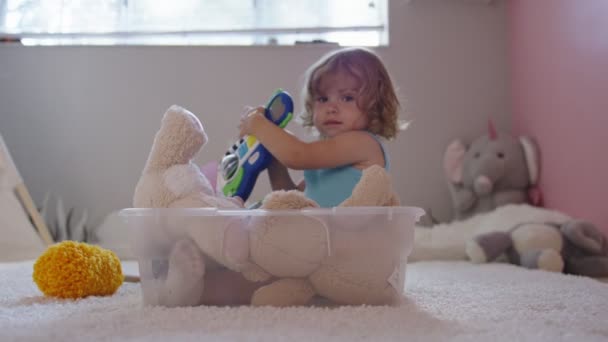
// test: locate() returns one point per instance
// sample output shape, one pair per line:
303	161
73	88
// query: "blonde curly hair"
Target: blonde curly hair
376	97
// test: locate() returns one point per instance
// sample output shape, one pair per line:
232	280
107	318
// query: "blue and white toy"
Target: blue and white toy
247	158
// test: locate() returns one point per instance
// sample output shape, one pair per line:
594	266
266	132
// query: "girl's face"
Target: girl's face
335	108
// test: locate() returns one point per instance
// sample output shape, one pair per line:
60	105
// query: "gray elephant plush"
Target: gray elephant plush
496	169
575	247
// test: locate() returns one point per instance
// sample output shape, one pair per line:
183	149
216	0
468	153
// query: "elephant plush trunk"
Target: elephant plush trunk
488	174
482	185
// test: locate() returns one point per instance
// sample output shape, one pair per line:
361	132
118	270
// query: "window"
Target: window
192	22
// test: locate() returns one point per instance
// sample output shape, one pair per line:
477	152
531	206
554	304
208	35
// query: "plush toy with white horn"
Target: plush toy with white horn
494	170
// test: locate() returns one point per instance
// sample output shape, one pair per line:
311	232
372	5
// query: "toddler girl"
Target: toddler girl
350	102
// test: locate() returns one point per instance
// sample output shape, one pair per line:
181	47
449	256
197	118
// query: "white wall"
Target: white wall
79	121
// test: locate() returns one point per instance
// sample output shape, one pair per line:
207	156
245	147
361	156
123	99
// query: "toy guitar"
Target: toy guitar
247	158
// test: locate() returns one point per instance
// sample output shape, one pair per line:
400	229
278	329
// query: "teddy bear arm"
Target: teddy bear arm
374	189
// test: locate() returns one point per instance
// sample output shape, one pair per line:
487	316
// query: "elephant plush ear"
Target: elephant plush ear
532	159
453	159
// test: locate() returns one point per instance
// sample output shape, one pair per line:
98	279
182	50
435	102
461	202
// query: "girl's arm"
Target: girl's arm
354	147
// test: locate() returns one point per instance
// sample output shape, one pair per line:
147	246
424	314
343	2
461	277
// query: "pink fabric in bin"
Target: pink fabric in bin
210	171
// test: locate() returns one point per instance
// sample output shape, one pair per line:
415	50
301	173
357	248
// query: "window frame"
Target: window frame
257	36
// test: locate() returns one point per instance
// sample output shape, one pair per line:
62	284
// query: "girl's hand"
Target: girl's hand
249	119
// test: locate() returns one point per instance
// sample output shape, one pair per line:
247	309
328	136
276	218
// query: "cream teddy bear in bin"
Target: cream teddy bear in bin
170	179
281	257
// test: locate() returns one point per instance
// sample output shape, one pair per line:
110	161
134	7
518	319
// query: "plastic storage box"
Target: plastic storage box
364	231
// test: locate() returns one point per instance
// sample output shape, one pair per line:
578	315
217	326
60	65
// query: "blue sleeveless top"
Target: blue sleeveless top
330	187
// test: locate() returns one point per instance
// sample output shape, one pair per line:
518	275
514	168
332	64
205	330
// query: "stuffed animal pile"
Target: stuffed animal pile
572	246
492	182
289	259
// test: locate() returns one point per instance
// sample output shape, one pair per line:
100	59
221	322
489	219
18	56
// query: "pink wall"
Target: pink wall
559	61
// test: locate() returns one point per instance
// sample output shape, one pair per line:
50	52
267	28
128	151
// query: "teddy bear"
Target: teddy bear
347	255
357	259
284	259
170	179
573	246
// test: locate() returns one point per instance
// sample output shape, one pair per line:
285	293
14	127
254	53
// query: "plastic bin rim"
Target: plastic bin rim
411	211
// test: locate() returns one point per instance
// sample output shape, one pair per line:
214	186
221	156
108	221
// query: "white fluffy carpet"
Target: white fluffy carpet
453	301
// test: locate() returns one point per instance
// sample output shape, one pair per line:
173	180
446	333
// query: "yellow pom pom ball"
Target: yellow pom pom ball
72	269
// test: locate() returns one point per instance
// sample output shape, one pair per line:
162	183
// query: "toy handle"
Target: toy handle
247	158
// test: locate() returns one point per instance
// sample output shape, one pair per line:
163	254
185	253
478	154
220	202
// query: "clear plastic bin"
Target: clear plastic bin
155	232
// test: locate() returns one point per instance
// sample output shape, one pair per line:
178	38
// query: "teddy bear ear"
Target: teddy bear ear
453	159
532	158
